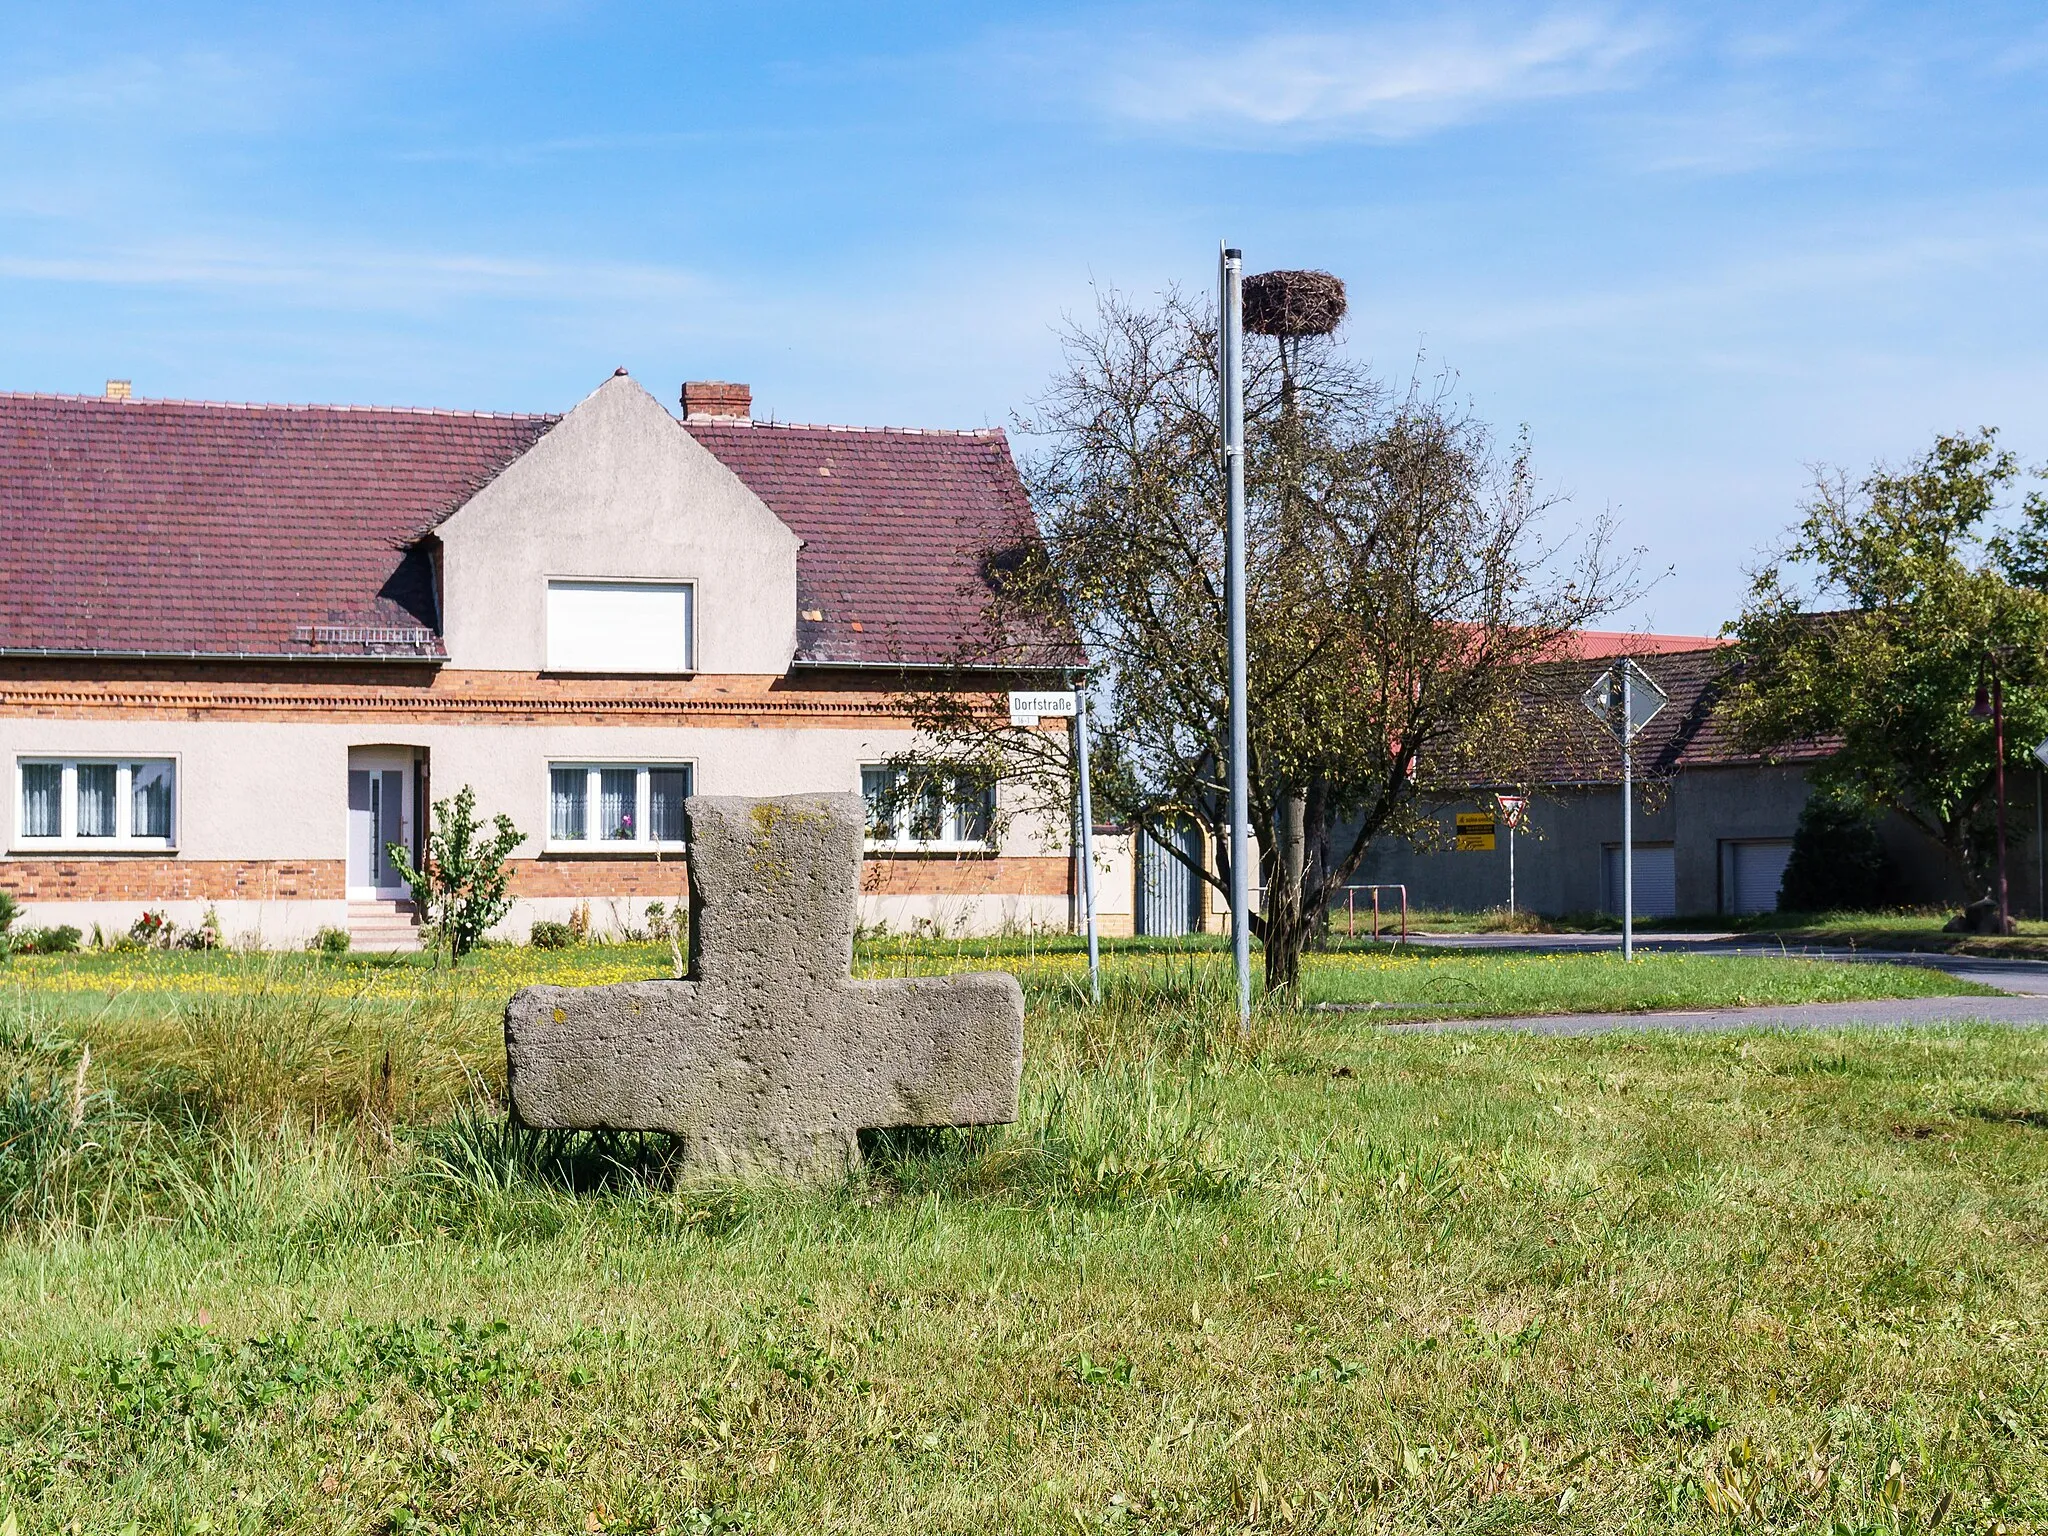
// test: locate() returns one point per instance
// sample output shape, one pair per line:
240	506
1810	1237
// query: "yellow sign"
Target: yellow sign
1475	832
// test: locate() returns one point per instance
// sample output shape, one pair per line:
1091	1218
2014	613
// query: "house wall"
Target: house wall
261	809
618	489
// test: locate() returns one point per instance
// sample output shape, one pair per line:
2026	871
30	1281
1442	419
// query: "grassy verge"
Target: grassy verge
269	1260
1915	932
151	990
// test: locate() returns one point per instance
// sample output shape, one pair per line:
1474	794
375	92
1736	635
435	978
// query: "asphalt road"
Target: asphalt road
2025	983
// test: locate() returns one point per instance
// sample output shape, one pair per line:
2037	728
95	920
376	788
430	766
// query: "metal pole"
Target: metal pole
1998	746
1511	869
1087	843
1231	317
2040	851
1628	812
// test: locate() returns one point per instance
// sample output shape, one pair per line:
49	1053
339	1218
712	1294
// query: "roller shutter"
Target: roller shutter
1656	880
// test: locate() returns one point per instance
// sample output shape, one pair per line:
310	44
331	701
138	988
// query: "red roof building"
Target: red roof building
243	647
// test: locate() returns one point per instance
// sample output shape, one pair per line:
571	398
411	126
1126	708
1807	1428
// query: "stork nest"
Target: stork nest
1293	303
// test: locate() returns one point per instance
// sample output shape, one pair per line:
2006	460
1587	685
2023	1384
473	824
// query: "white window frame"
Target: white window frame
688	586
643	802
950	840
68	839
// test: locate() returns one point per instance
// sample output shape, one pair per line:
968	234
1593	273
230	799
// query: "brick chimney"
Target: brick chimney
708	397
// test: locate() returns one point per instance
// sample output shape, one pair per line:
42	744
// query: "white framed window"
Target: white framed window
617	807
95	802
928	809
621	626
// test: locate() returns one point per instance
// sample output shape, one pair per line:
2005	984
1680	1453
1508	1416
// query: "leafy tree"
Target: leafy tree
1401	587
465	885
1870	633
1839	863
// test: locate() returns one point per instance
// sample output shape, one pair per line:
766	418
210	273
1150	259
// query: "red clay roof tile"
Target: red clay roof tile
174	527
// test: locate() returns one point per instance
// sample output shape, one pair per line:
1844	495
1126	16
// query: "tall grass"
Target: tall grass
1306	1277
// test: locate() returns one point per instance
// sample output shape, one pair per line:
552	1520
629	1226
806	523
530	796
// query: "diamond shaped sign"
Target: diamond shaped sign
1645	699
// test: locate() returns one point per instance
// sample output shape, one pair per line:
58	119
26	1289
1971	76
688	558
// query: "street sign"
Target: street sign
1646	699
1029	708
1514	810
1475	832
1625	689
2041	754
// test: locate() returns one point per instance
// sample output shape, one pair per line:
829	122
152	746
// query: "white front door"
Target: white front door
379	814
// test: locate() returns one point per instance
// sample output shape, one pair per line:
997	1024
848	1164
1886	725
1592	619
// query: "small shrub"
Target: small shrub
10	909
657	921
153	930
61	940
329	941
464	884
579	924
206	935
1839	863
548	935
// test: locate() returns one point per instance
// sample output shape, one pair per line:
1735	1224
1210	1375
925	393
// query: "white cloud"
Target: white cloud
360	277
134	95
1385	83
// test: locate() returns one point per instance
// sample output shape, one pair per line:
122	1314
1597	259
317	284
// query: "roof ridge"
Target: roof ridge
831	426
281	405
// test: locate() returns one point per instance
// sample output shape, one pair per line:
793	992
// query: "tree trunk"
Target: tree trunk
1287	924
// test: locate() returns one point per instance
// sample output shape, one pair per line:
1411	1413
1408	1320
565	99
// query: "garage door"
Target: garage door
1751	873
1656	880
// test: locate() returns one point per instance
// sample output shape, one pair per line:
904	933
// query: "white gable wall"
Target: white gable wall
618	490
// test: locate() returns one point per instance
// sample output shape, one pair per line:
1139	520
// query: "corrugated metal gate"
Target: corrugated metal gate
1656	880
1751	873
1169	894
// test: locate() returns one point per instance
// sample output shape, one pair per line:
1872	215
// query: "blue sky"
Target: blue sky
1696	249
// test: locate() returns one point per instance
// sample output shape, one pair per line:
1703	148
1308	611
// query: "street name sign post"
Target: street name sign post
1027	708
1625	698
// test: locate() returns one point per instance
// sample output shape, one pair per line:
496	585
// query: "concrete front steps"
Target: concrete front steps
383	927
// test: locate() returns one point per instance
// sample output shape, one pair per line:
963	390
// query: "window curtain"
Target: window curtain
96	782
150	800
567	791
974	803
617	790
42	799
667	788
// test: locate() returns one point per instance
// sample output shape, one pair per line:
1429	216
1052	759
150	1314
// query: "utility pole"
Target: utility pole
1231	315
1628	817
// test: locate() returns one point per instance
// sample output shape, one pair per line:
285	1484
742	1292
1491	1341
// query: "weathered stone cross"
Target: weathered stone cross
769	1058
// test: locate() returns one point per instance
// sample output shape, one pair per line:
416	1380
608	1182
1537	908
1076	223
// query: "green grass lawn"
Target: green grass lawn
1914	931
271	1262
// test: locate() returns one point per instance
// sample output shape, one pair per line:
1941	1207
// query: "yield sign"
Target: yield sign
1645	698
1513	810
2041	753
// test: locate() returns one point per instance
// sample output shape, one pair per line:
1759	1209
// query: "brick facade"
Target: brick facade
296	692
1022	875
153	880
147	879
656	879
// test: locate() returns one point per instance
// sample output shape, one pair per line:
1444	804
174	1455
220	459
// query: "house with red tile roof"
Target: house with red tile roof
1713	821
244	648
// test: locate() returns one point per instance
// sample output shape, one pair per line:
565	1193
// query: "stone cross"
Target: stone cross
770	1058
